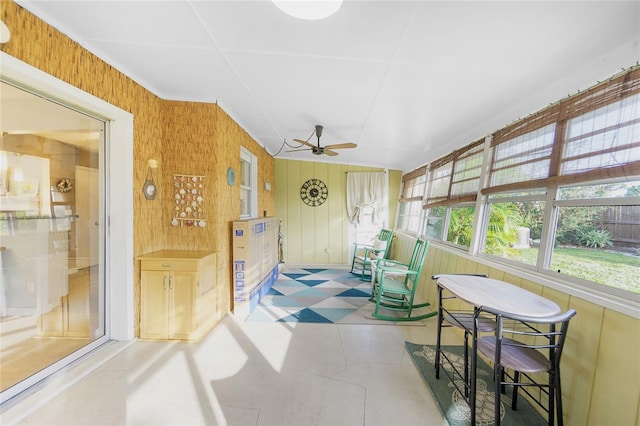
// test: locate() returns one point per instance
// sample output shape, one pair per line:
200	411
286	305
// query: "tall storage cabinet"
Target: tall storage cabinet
174	288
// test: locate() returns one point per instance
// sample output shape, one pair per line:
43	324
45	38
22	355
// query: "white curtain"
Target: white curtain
367	189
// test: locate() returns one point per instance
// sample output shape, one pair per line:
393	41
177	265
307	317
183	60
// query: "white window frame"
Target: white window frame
252	162
481	233
410	203
555	203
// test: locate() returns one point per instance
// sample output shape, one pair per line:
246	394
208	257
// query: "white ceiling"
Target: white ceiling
407	81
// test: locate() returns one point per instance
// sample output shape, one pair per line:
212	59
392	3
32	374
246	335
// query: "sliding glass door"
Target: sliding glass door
52	287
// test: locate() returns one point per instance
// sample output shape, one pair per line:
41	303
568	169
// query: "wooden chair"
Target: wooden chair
365	254
520	362
394	286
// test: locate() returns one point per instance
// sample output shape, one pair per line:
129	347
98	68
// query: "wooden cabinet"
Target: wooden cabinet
174	294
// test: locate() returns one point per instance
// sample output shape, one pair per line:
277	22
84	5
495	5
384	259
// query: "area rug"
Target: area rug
316	295
452	403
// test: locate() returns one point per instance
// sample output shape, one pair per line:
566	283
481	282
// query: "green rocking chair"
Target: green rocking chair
365	254
395	284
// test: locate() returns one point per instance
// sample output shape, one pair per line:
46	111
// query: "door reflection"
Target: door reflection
50	287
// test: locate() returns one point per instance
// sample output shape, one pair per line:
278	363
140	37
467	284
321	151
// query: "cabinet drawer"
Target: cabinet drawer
169	265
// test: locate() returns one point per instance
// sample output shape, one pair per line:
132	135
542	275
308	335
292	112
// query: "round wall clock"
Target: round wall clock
314	192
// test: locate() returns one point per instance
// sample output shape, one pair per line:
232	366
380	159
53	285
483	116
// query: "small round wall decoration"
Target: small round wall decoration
314	192
64	185
231	176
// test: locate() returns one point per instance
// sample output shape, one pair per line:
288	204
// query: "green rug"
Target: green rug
452	403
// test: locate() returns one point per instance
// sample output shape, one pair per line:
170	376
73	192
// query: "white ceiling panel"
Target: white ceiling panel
367	30
407	81
301	102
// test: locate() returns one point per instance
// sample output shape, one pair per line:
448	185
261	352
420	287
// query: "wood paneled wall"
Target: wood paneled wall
183	137
601	361
319	235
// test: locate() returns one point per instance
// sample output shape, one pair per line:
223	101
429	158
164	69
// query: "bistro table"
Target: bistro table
482	292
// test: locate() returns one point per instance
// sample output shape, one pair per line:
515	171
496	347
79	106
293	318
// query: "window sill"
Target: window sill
606	300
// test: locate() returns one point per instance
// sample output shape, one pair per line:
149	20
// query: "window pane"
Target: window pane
440	179
414	187
603	137
532	192
402	216
514	229
466	176
609	190
248	184
524	158
245	173
409	215
414	215
435	222
460	225
599	244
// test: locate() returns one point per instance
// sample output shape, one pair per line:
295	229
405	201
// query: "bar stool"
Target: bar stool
526	356
463	320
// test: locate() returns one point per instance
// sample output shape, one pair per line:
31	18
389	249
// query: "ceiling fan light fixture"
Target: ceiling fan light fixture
308	9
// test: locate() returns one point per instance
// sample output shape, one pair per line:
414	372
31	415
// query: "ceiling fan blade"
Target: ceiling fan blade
329	152
300	149
342	145
305	143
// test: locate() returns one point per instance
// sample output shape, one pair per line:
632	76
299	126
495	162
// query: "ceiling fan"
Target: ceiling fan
319	150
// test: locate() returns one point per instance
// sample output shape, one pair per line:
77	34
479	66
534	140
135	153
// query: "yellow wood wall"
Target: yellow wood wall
318	235
601	362
184	137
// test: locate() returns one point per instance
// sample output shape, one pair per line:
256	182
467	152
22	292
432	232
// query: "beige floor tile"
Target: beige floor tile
256	373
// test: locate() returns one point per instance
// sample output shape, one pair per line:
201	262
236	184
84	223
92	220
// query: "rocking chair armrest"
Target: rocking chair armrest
397	271
390	263
394	267
369	252
362	245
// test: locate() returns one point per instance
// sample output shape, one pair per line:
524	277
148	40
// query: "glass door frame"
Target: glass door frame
117	247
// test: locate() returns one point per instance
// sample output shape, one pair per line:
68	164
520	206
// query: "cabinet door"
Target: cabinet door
154	309
182	303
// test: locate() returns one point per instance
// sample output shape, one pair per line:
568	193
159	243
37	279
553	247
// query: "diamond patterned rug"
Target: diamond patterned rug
317	295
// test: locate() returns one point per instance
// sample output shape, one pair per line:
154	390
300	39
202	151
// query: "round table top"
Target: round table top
500	295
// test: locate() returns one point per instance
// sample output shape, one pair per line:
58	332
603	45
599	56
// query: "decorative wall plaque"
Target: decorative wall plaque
189	200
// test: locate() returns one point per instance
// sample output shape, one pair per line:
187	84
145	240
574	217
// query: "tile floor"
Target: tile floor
245	373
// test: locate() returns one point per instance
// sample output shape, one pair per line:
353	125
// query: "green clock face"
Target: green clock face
314	192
